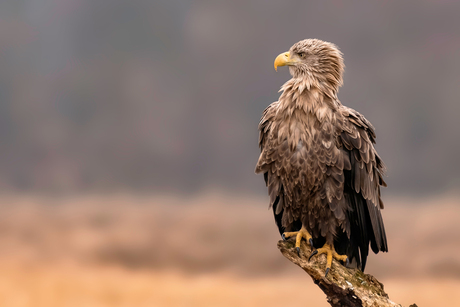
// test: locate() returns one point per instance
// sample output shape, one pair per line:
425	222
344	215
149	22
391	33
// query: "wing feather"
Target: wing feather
362	187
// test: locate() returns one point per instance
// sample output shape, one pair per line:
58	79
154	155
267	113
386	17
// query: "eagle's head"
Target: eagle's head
316	60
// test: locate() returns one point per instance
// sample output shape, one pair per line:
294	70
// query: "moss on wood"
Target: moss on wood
343	287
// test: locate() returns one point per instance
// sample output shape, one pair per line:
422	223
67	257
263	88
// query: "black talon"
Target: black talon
347	262
311	243
298	251
327	271
284	237
312	254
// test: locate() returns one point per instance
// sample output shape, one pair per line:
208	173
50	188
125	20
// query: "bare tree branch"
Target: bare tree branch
343	286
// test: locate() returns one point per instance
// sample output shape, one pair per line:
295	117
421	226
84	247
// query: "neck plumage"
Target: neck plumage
309	95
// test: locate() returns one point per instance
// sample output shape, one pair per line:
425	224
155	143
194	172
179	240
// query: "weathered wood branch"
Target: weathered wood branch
342	286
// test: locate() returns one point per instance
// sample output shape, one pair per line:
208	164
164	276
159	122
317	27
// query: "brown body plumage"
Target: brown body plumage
318	158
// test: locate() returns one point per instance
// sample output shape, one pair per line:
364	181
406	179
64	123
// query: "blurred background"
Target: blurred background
128	141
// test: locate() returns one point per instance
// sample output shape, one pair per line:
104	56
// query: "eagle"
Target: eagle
319	162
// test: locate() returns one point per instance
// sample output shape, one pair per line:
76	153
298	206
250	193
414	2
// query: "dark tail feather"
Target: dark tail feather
279	216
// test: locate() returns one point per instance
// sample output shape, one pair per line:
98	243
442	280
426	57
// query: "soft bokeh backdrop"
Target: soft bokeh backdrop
159	95
128	140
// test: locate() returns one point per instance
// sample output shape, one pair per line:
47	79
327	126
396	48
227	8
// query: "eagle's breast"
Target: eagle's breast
311	142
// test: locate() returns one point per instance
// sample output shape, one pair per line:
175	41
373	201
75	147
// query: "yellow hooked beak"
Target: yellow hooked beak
283	59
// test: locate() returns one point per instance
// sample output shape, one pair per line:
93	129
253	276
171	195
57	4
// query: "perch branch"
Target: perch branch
343	287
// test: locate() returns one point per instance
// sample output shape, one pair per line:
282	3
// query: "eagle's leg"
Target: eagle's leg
330	253
302	233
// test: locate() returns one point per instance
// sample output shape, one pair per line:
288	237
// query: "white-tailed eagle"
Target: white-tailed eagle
318	159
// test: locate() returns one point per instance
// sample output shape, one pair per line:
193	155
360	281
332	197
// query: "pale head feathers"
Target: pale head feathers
316	68
318	62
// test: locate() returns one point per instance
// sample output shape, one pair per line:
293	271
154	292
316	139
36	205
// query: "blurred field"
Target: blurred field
211	250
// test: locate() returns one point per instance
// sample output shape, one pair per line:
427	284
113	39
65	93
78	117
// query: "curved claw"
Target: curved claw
312	254
283	237
327	271
347	262
298	251
311	243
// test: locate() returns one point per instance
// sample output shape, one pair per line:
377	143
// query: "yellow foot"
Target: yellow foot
302	233
330	252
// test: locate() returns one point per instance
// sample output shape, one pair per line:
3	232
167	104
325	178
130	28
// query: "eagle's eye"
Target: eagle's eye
302	55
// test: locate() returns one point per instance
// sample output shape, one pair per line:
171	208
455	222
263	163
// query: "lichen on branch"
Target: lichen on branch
343	287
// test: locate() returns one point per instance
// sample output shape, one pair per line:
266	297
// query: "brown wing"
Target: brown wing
362	186
268	147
